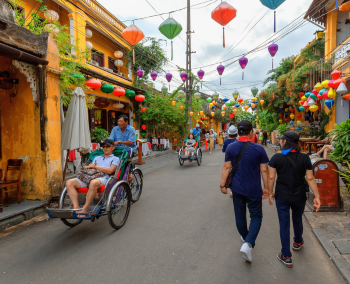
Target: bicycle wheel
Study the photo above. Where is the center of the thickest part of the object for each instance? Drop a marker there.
(66, 203)
(119, 202)
(199, 157)
(136, 185)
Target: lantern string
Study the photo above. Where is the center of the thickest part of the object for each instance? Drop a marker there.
(171, 50)
(223, 36)
(107, 98)
(274, 25)
(133, 55)
(220, 80)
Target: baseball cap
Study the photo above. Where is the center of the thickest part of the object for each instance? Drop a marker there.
(290, 136)
(245, 125)
(232, 130)
(107, 142)
(197, 125)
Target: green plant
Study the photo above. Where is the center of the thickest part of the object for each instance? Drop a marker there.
(283, 128)
(346, 178)
(341, 133)
(99, 134)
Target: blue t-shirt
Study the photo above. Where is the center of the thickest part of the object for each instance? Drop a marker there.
(128, 135)
(228, 142)
(195, 131)
(247, 178)
(106, 162)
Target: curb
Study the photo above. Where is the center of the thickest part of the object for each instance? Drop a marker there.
(339, 261)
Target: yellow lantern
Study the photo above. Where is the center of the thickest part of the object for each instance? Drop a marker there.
(325, 84)
(286, 109)
(235, 111)
(280, 121)
(201, 112)
(298, 121)
(181, 107)
(303, 98)
(210, 105)
(191, 113)
(292, 115)
(241, 103)
(314, 108)
(224, 107)
(331, 93)
(246, 108)
(173, 103)
(318, 87)
(223, 113)
(301, 103)
(262, 102)
(212, 113)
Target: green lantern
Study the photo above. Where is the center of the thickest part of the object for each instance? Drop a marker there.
(273, 85)
(235, 94)
(78, 76)
(143, 134)
(129, 93)
(107, 88)
(197, 96)
(209, 100)
(150, 84)
(254, 91)
(307, 94)
(215, 96)
(164, 90)
(170, 29)
(180, 93)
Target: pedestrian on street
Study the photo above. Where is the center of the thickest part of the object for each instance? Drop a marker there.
(211, 140)
(249, 163)
(291, 167)
(220, 139)
(265, 135)
(206, 140)
(232, 137)
(215, 135)
(255, 138)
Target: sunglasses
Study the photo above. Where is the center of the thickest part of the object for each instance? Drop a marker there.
(106, 146)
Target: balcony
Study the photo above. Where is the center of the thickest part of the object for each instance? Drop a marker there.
(341, 54)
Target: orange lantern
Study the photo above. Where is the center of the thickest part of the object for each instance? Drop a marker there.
(93, 84)
(173, 103)
(133, 35)
(262, 102)
(234, 107)
(224, 107)
(212, 113)
(253, 105)
(201, 112)
(246, 108)
(140, 98)
(235, 111)
(347, 96)
(223, 113)
(181, 107)
(191, 113)
(215, 103)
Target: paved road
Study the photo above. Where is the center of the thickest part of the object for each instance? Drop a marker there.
(181, 231)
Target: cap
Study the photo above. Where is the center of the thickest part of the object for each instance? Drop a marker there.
(245, 125)
(108, 142)
(290, 136)
(232, 130)
(197, 125)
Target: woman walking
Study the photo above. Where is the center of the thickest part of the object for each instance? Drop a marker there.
(206, 140)
(220, 139)
(211, 140)
(291, 167)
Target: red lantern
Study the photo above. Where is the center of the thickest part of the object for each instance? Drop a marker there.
(93, 84)
(144, 127)
(292, 110)
(119, 92)
(299, 115)
(231, 115)
(301, 94)
(286, 120)
(280, 115)
(144, 109)
(314, 91)
(139, 98)
(240, 99)
(133, 35)
(337, 82)
(223, 14)
(331, 84)
(336, 74)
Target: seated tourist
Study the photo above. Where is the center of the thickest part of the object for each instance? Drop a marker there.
(326, 149)
(189, 150)
(107, 164)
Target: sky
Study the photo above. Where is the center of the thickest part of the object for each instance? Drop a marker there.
(252, 26)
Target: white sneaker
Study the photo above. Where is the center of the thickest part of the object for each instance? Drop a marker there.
(246, 252)
(242, 239)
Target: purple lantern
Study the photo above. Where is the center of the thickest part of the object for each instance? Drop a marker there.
(273, 48)
(183, 76)
(168, 77)
(243, 62)
(154, 76)
(200, 74)
(220, 69)
(140, 73)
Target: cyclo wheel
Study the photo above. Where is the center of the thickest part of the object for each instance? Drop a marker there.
(136, 185)
(199, 157)
(66, 203)
(181, 161)
(118, 205)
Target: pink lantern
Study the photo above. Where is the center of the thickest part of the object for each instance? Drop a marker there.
(273, 48)
(200, 74)
(220, 69)
(168, 77)
(154, 76)
(140, 73)
(183, 76)
(243, 62)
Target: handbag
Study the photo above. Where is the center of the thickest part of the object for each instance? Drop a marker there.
(87, 175)
(233, 169)
(295, 166)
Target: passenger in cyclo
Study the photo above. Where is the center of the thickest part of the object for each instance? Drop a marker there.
(189, 150)
(124, 135)
(107, 164)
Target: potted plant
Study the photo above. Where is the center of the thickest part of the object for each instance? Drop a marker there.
(99, 134)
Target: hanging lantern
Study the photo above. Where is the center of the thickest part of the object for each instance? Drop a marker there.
(342, 90)
(201, 112)
(286, 119)
(280, 115)
(118, 106)
(140, 98)
(262, 102)
(318, 87)
(304, 99)
(313, 108)
(246, 108)
(336, 74)
(273, 5)
(223, 113)
(301, 94)
(240, 100)
(93, 84)
(170, 29)
(307, 95)
(164, 90)
(225, 100)
(299, 115)
(253, 106)
(209, 99)
(150, 84)
(325, 95)
(301, 108)
(331, 84)
(330, 103)
(173, 103)
(210, 105)
(154, 76)
(144, 127)
(254, 91)
(325, 84)
(119, 92)
(224, 107)
(305, 105)
(337, 82)
(280, 120)
(220, 69)
(306, 116)
(197, 96)
(130, 93)
(347, 97)
(273, 48)
(286, 115)
(139, 73)
(191, 113)
(168, 77)
(88, 45)
(180, 93)
(313, 96)
(230, 115)
(223, 14)
(281, 109)
(183, 76)
(118, 54)
(51, 16)
(235, 111)
(133, 35)
(331, 93)
(144, 109)
(235, 94)
(286, 109)
(212, 113)
(319, 96)
(291, 109)
(107, 89)
(311, 102)
(200, 74)
(243, 62)
(181, 107)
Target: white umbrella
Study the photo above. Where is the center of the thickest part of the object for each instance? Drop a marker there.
(75, 130)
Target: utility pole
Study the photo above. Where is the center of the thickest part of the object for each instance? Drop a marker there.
(188, 65)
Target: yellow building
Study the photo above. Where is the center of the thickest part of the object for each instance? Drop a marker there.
(337, 47)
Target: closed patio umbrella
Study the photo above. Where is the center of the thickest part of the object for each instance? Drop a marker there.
(75, 131)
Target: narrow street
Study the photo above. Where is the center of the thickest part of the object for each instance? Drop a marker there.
(182, 230)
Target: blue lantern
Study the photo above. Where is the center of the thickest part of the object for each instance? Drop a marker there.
(329, 103)
(225, 100)
(292, 122)
(286, 115)
(281, 109)
(299, 128)
(237, 105)
(306, 116)
(212, 107)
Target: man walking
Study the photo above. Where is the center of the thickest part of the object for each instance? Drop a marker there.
(248, 160)
(264, 137)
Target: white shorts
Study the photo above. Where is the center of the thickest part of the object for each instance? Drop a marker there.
(103, 181)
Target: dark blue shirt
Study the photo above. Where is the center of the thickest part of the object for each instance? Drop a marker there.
(128, 135)
(228, 142)
(247, 178)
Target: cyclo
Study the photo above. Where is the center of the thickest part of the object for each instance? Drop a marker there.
(117, 195)
(197, 155)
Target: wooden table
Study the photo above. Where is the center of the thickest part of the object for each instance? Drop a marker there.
(1, 202)
(310, 143)
(302, 143)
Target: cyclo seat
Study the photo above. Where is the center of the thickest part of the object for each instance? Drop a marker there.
(100, 190)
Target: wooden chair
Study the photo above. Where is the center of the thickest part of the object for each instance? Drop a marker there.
(13, 165)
